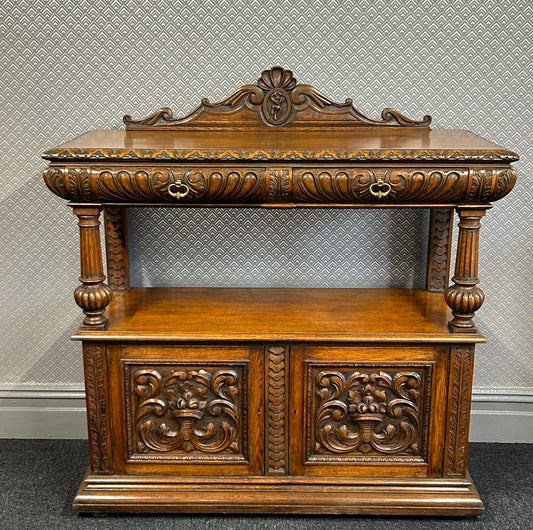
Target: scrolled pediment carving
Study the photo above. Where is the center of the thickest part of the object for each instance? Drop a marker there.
(276, 100)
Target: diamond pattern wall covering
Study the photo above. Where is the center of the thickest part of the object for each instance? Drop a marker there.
(69, 66)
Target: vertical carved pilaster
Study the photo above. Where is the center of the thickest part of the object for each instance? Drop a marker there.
(439, 249)
(459, 398)
(93, 295)
(277, 403)
(279, 184)
(465, 297)
(116, 248)
(97, 408)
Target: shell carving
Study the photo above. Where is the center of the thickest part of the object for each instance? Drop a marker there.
(277, 106)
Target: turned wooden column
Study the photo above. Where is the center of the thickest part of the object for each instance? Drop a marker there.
(464, 296)
(93, 295)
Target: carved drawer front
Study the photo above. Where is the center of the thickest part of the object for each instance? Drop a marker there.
(176, 184)
(193, 408)
(359, 411)
(377, 185)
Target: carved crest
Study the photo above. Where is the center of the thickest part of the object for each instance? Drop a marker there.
(276, 100)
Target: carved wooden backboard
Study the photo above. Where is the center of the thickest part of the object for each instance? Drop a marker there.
(276, 100)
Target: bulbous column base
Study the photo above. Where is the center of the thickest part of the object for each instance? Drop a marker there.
(464, 302)
(93, 299)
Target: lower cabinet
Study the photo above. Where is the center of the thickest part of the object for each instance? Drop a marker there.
(299, 428)
(303, 410)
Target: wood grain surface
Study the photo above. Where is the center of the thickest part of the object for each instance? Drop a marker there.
(372, 143)
(173, 313)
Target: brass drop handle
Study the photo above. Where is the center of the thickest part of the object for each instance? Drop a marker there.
(380, 189)
(178, 189)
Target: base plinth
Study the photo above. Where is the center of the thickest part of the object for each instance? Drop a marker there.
(170, 494)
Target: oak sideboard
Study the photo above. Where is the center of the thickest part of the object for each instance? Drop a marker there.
(279, 400)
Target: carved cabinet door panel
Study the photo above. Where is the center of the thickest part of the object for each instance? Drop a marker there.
(368, 411)
(193, 410)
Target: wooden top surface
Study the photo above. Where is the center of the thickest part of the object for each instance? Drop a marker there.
(362, 315)
(368, 143)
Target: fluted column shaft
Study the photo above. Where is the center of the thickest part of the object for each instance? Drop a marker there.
(93, 295)
(464, 296)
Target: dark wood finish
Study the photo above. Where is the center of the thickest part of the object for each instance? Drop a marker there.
(116, 238)
(93, 295)
(276, 100)
(465, 297)
(279, 400)
(98, 422)
(296, 495)
(439, 249)
(461, 373)
(346, 186)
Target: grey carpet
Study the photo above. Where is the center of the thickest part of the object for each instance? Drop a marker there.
(40, 478)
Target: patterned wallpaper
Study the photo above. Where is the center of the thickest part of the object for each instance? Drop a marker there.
(66, 67)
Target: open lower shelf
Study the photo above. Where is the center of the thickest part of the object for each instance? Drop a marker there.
(265, 314)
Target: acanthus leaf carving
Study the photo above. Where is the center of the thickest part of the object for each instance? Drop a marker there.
(439, 249)
(224, 185)
(489, 184)
(279, 184)
(97, 408)
(242, 185)
(361, 413)
(276, 410)
(70, 183)
(348, 185)
(126, 185)
(116, 248)
(193, 411)
(461, 373)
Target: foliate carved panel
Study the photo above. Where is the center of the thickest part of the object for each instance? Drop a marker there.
(277, 403)
(279, 184)
(460, 393)
(97, 408)
(368, 413)
(188, 412)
